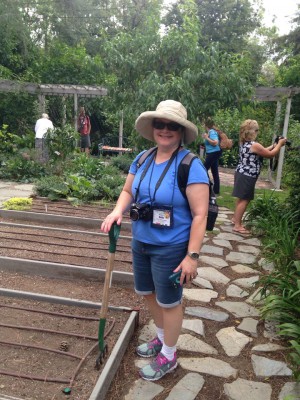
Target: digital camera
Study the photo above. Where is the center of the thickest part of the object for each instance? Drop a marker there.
(140, 211)
(287, 143)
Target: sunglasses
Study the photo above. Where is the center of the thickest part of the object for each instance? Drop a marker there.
(171, 126)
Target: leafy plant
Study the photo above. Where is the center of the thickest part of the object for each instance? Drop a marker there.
(20, 168)
(17, 203)
(8, 141)
(80, 189)
(52, 186)
(122, 162)
(282, 293)
(62, 142)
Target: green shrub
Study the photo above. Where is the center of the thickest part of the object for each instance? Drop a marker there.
(122, 162)
(282, 293)
(62, 142)
(52, 186)
(20, 168)
(17, 203)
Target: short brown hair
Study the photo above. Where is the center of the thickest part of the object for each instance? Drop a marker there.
(209, 123)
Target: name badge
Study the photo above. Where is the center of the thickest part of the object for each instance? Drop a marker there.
(162, 217)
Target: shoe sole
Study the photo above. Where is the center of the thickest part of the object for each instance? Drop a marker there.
(147, 355)
(156, 379)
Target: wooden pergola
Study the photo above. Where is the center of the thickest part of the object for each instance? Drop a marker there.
(43, 90)
(278, 94)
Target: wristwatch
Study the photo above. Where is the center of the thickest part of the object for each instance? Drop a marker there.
(193, 255)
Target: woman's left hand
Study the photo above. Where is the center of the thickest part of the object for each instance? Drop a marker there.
(188, 268)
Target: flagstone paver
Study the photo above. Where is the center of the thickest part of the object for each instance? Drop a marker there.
(249, 325)
(213, 261)
(190, 343)
(236, 291)
(208, 365)
(248, 249)
(246, 282)
(264, 367)
(243, 258)
(195, 325)
(213, 275)
(143, 390)
(243, 269)
(224, 243)
(187, 388)
(201, 282)
(239, 309)
(248, 390)
(204, 295)
(232, 341)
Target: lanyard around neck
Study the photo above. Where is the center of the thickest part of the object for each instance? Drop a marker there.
(174, 154)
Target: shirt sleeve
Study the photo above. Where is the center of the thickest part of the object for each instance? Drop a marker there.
(213, 135)
(197, 173)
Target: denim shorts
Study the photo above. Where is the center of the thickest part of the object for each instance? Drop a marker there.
(152, 266)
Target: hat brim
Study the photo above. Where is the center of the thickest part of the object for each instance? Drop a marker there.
(143, 125)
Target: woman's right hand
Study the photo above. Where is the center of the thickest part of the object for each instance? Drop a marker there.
(282, 141)
(109, 220)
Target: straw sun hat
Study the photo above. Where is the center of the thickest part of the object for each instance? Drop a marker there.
(168, 109)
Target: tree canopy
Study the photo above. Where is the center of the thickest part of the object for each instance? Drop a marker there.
(206, 53)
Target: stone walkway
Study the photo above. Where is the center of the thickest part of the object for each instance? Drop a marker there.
(240, 301)
(13, 189)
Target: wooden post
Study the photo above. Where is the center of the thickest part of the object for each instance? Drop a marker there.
(64, 116)
(121, 131)
(41, 98)
(276, 130)
(284, 134)
(75, 110)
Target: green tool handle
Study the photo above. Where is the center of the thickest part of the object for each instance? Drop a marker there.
(113, 237)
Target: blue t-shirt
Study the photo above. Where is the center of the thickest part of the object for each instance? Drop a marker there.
(213, 135)
(167, 194)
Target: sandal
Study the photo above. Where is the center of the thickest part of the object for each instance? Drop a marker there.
(242, 231)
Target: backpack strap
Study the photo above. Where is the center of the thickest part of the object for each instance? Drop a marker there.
(183, 172)
(183, 175)
(145, 155)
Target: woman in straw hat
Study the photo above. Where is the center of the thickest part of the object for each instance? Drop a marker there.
(167, 228)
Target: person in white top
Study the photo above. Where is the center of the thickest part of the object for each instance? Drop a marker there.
(41, 127)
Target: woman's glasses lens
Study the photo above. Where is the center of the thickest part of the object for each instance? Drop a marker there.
(171, 126)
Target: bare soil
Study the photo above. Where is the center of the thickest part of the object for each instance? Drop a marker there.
(87, 250)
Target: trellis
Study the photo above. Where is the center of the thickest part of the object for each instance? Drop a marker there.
(278, 94)
(43, 90)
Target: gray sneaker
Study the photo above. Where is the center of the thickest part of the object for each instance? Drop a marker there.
(158, 368)
(149, 349)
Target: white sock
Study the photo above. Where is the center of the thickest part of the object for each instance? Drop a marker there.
(160, 334)
(168, 352)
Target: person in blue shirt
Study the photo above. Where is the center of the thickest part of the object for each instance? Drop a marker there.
(213, 153)
(167, 228)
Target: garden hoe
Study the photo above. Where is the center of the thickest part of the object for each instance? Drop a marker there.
(113, 237)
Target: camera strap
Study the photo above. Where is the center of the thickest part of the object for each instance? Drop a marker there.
(153, 155)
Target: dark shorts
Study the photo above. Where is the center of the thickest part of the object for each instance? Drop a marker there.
(243, 186)
(85, 141)
(152, 266)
